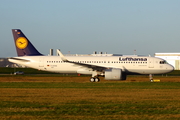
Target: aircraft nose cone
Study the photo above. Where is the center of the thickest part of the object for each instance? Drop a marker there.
(170, 68)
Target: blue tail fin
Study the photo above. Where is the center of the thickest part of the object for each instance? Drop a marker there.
(23, 45)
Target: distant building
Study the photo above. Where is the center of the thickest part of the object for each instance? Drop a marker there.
(4, 62)
(171, 58)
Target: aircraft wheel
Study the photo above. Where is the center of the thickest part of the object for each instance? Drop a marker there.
(92, 79)
(96, 79)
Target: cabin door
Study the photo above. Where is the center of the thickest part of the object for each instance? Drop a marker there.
(151, 63)
(41, 62)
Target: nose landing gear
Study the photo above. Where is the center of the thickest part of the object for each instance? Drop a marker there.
(151, 77)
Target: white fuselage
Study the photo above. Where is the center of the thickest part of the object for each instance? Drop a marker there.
(128, 64)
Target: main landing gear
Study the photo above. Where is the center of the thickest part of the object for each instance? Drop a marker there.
(94, 79)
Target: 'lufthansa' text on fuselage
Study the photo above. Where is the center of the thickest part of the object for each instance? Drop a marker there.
(132, 59)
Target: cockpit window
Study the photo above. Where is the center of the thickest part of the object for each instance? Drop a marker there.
(163, 62)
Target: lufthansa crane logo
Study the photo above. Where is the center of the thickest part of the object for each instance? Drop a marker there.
(21, 43)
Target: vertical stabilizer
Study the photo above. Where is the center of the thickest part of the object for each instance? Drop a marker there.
(23, 45)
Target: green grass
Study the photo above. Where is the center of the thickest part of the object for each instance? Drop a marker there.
(97, 86)
(106, 100)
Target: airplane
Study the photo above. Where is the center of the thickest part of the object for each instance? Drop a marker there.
(111, 67)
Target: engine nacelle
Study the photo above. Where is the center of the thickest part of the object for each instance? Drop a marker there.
(114, 74)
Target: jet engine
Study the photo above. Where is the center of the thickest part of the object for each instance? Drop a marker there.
(114, 74)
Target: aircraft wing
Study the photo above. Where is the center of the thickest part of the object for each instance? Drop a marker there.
(94, 67)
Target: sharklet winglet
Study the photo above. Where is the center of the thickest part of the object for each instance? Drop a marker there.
(62, 56)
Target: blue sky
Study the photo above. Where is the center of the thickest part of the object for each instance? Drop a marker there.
(84, 26)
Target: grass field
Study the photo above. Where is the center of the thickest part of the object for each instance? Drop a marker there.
(59, 98)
